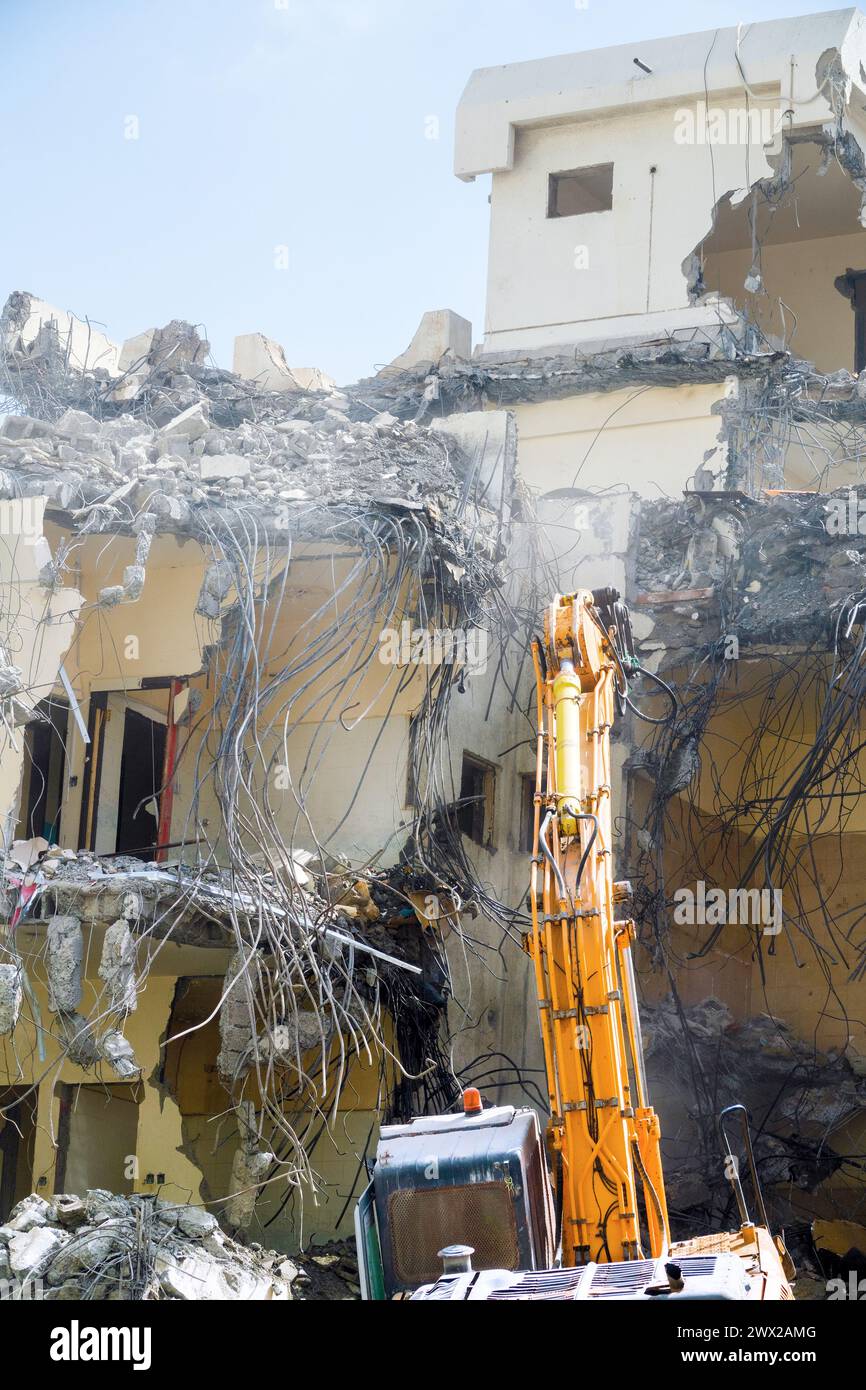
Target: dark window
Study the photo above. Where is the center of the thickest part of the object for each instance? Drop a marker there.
(45, 767)
(579, 191)
(853, 286)
(527, 813)
(477, 787)
(141, 771)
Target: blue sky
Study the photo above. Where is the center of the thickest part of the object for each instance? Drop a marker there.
(264, 124)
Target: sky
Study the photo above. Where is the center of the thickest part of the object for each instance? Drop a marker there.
(281, 166)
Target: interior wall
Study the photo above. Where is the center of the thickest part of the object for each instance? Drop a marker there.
(337, 1144)
(100, 1136)
(35, 632)
(810, 989)
(814, 321)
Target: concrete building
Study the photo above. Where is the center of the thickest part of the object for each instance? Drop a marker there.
(227, 891)
(676, 254)
(266, 852)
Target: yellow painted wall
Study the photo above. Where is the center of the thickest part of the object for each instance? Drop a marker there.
(814, 321)
(186, 1129)
(176, 1136)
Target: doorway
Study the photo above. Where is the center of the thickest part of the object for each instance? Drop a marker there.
(97, 1138)
(123, 773)
(17, 1144)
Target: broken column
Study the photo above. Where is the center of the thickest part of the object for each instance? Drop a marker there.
(117, 967)
(441, 333)
(250, 1167)
(236, 1020)
(260, 359)
(11, 995)
(65, 949)
(77, 1037)
(133, 575)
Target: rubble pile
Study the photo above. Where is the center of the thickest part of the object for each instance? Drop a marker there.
(784, 564)
(157, 374)
(171, 436)
(110, 471)
(106, 1246)
(193, 904)
(804, 1095)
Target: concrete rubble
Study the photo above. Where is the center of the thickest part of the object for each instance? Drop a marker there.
(116, 1248)
(784, 572)
(134, 898)
(759, 1063)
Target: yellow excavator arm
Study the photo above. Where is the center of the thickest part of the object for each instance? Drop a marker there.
(480, 1176)
(604, 1135)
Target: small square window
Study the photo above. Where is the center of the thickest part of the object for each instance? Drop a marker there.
(579, 191)
(477, 790)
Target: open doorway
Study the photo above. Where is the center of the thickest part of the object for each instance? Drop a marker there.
(44, 771)
(141, 764)
(124, 772)
(17, 1144)
(97, 1138)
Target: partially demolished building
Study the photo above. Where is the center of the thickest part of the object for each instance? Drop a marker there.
(232, 850)
(266, 851)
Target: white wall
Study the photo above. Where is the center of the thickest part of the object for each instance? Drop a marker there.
(557, 280)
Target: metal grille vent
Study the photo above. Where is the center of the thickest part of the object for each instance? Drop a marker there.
(614, 1280)
(423, 1220)
(547, 1284)
(697, 1266)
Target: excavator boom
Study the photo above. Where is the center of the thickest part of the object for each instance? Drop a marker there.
(602, 1231)
(603, 1133)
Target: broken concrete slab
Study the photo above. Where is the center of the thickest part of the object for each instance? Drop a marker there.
(26, 320)
(30, 1250)
(189, 424)
(441, 333)
(135, 350)
(32, 1211)
(260, 359)
(196, 1222)
(223, 466)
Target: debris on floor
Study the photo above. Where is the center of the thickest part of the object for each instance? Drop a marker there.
(106, 1246)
